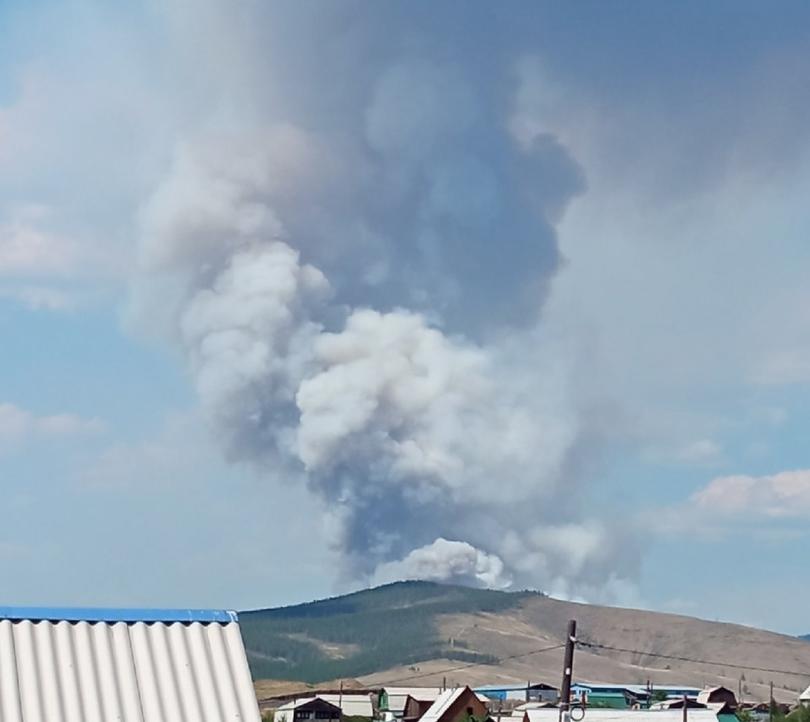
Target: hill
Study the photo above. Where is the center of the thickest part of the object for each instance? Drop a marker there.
(421, 632)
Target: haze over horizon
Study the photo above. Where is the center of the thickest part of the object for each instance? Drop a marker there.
(297, 298)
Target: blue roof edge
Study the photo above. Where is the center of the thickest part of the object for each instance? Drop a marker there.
(129, 616)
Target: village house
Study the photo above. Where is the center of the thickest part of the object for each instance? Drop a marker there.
(308, 709)
(457, 705)
(717, 695)
(537, 692)
(392, 700)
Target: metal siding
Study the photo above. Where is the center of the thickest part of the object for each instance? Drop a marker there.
(63, 671)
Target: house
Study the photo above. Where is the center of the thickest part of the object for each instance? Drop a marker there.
(613, 697)
(538, 692)
(392, 700)
(348, 705)
(456, 705)
(308, 708)
(351, 705)
(130, 665)
(678, 703)
(415, 708)
(625, 696)
(713, 695)
(804, 698)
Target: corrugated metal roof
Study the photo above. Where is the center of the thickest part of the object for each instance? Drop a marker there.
(398, 696)
(352, 705)
(123, 671)
(99, 614)
(442, 704)
(627, 715)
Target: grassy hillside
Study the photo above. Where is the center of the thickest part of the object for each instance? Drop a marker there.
(379, 635)
(366, 631)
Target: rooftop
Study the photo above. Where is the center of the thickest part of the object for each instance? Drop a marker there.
(112, 616)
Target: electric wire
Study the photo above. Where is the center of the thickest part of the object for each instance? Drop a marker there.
(594, 645)
(468, 665)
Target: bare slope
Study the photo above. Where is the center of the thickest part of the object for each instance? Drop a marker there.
(420, 633)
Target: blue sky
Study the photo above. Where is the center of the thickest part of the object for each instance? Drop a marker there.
(276, 284)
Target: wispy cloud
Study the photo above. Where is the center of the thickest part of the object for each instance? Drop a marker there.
(28, 249)
(18, 425)
(784, 494)
(40, 298)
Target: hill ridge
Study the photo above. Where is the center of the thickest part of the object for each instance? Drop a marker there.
(422, 628)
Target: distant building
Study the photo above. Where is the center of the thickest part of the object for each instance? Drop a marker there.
(804, 698)
(308, 710)
(626, 696)
(715, 695)
(392, 700)
(349, 705)
(629, 715)
(132, 665)
(538, 692)
(415, 708)
(456, 705)
(678, 703)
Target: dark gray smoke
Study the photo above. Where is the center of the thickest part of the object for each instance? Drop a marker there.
(353, 256)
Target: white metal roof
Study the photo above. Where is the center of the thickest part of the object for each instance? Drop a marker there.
(626, 715)
(397, 696)
(442, 704)
(421, 693)
(353, 705)
(123, 671)
(805, 696)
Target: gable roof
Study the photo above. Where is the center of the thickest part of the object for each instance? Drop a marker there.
(352, 705)
(92, 665)
(443, 703)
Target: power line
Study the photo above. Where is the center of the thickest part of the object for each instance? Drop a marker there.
(594, 645)
(469, 664)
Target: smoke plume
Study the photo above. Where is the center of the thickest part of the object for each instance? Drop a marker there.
(356, 279)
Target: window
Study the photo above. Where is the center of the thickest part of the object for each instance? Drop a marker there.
(324, 714)
(302, 714)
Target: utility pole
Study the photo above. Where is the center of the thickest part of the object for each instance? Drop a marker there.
(568, 669)
(685, 707)
(770, 704)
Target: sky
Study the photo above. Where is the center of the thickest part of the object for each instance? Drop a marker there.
(301, 297)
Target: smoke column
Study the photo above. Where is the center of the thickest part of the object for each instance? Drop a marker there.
(353, 259)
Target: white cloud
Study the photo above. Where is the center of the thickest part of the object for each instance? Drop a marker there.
(40, 298)
(702, 451)
(18, 425)
(785, 494)
(28, 249)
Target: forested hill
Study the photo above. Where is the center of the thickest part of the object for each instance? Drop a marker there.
(424, 632)
(366, 631)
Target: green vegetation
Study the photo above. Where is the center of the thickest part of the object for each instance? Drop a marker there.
(800, 714)
(364, 632)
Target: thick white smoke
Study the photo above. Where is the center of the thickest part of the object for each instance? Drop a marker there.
(357, 296)
(445, 560)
